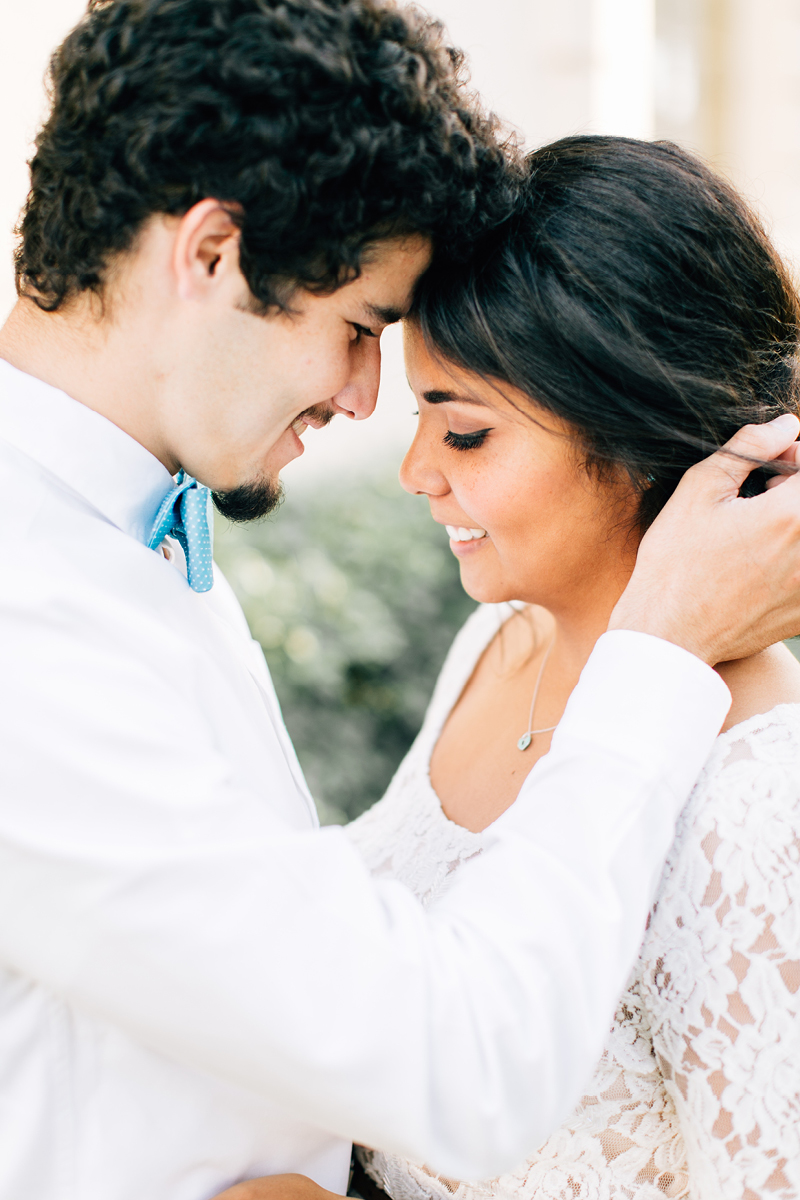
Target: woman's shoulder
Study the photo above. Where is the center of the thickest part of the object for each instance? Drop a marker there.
(753, 768)
(760, 684)
(756, 758)
(769, 737)
(757, 754)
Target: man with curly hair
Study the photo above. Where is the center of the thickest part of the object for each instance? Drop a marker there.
(244, 150)
(229, 201)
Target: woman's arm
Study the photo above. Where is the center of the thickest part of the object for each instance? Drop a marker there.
(724, 975)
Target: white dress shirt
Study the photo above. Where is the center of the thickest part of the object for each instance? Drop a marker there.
(196, 983)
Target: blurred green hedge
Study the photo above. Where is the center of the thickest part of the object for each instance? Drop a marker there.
(355, 596)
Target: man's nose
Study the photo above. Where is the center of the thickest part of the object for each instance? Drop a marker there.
(359, 395)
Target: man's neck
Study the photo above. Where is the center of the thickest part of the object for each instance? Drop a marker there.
(81, 351)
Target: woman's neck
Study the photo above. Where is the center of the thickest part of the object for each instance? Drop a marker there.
(477, 767)
(578, 620)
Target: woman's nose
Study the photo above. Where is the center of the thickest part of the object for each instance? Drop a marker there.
(419, 474)
(358, 397)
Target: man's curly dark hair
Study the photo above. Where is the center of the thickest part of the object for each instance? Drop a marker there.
(324, 124)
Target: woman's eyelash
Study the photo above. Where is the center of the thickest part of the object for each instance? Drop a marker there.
(466, 441)
(362, 331)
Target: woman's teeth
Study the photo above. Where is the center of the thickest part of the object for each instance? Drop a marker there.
(459, 534)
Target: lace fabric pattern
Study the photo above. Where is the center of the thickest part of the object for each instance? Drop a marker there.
(697, 1094)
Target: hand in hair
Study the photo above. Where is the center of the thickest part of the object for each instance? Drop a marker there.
(278, 1187)
(718, 573)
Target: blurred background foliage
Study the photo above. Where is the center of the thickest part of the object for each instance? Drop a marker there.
(355, 596)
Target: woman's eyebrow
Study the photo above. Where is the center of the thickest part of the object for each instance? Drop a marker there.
(439, 397)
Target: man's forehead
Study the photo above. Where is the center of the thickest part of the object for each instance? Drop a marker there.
(390, 270)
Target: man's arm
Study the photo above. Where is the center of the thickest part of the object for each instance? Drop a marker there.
(151, 893)
(178, 910)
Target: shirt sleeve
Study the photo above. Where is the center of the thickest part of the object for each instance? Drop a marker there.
(150, 889)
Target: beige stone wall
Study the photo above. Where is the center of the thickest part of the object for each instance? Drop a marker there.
(29, 29)
(759, 111)
(728, 85)
(720, 76)
(531, 60)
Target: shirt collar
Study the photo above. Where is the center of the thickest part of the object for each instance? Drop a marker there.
(89, 453)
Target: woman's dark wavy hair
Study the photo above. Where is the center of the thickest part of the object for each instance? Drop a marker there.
(633, 295)
(323, 123)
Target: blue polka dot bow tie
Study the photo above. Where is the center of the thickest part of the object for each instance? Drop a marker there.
(186, 513)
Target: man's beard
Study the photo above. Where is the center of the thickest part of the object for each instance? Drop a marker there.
(250, 501)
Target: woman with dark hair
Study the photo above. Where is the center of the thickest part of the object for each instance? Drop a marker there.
(630, 319)
(627, 321)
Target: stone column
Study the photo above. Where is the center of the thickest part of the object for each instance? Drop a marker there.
(728, 86)
(530, 59)
(623, 67)
(29, 32)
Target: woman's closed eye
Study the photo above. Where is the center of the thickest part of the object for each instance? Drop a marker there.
(466, 441)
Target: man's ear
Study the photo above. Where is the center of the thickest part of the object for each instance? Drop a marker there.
(206, 250)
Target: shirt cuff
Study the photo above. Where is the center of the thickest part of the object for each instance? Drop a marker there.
(646, 701)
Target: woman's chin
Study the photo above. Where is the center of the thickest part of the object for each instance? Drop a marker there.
(480, 585)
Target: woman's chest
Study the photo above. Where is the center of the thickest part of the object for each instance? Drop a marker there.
(486, 747)
(406, 836)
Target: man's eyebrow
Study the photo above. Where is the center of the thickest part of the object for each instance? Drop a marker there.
(385, 316)
(438, 397)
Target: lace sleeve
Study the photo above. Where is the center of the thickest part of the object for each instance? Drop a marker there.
(725, 976)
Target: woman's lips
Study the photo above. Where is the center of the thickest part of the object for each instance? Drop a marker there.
(466, 539)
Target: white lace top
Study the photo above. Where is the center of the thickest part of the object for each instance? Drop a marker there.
(698, 1091)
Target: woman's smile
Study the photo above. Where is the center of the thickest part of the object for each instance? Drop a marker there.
(466, 540)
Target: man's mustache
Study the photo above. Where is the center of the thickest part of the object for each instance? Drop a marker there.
(320, 414)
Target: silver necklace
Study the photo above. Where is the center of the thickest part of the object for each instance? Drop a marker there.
(530, 734)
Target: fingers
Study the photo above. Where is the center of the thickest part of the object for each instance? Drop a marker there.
(792, 458)
(726, 471)
(792, 455)
(766, 441)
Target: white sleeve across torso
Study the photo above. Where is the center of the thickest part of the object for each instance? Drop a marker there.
(696, 1092)
(158, 856)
